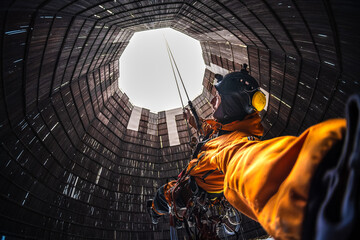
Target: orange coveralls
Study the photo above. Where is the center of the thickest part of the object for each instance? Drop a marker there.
(269, 180)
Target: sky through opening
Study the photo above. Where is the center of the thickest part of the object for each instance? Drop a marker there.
(145, 71)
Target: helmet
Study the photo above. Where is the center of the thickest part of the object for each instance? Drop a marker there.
(240, 95)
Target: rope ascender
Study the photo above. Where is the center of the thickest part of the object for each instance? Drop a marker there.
(192, 109)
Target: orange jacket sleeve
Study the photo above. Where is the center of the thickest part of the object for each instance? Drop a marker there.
(269, 180)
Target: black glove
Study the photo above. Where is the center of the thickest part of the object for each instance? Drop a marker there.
(154, 216)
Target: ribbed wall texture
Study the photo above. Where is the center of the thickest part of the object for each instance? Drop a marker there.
(70, 168)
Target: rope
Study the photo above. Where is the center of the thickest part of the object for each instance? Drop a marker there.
(192, 109)
(172, 62)
(172, 67)
(177, 69)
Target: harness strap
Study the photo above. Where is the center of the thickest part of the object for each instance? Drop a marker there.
(207, 174)
(201, 157)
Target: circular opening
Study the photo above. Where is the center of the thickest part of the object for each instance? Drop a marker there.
(146, 74)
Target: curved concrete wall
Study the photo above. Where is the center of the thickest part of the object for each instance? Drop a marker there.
(69, 166)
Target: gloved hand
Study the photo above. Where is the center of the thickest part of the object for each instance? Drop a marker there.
(154, 216)
(187, 114)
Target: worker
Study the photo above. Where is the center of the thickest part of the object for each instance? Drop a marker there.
(275, 181)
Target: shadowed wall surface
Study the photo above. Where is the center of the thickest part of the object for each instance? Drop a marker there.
(71, 168)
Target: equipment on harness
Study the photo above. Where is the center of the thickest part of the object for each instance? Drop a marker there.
(240, 96)
(209, 217)
(204, 215)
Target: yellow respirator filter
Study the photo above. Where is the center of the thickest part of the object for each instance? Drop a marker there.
(259, 101)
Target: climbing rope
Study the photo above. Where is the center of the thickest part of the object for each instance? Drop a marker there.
(172, 62)
(192, 109)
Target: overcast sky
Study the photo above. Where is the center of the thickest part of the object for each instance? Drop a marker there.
(145, 70)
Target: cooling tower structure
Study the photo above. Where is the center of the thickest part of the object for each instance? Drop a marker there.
(73, 165)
